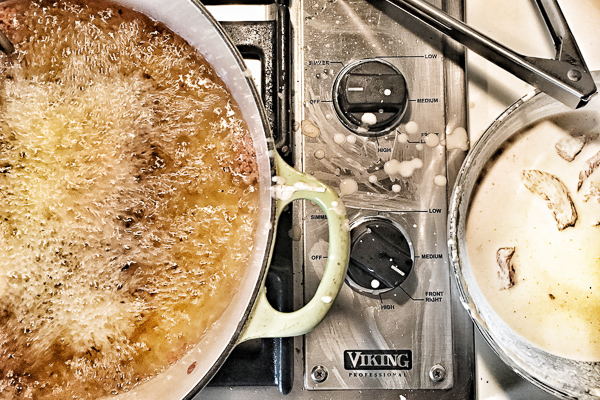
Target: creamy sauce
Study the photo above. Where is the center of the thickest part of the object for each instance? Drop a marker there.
(432, 140)
(457, 139)
(368, 119)
(402, 138)
(555, 302)
(395, 168)
(129, 197)
(411, 127)
(339, 138)
(440, 180)
(348, 187)
(319, 154)
(309, 129)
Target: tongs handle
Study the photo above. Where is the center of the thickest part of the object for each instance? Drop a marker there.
(566, 78)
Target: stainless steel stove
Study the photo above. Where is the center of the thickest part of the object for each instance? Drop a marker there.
(376, 100)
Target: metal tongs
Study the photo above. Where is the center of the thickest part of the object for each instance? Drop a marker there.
(566, 77)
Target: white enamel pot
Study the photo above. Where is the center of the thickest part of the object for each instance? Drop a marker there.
(563, 377)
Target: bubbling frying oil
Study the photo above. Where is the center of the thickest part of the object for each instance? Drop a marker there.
(128, 199)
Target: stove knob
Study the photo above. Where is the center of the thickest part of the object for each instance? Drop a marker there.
(370, 97)
(381, 255)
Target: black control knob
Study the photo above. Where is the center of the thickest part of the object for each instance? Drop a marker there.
(370, 97)
(381, 255)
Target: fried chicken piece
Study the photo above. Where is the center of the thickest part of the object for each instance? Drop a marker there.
(506, 271)
(556, 195)
(590, 165)
(593, 194)
(570, 146)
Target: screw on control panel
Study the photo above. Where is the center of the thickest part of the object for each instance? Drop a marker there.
(437, 373)
(319, 374)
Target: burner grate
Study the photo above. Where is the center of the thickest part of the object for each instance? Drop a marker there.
(268, 362)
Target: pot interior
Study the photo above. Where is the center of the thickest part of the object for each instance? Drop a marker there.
(189, 20)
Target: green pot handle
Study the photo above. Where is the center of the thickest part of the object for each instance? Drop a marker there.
(264, 321)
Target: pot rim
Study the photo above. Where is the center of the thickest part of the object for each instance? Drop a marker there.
(271, 231)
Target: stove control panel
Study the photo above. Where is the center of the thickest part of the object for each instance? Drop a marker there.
(372, 124)
(370, 97)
